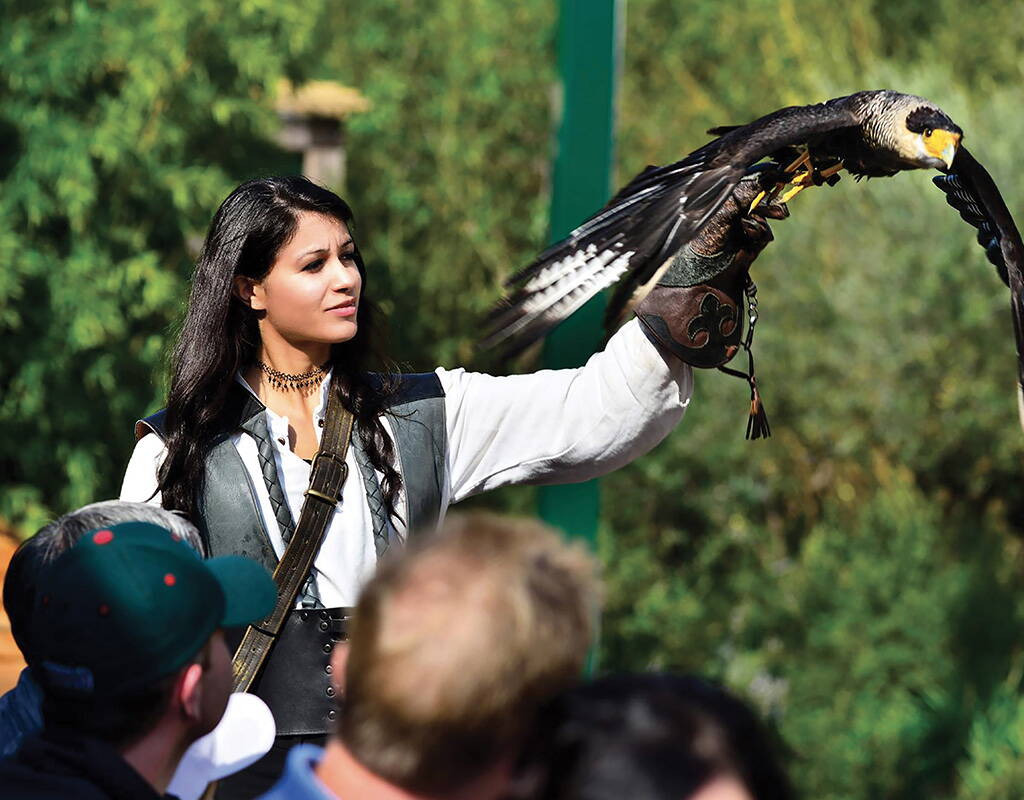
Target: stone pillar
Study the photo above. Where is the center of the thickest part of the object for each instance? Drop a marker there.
(320, 141)
(313, 123)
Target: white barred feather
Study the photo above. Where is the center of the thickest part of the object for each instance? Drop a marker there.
(604, 269)
(577, 278)
(559, 269)
(587, 288)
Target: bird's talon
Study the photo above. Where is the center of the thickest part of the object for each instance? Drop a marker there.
(793, 192)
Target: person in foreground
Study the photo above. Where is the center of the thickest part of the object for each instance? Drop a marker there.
(126, 631)
(244, 734)
(455, 644)
(281, 320)
(648, 737)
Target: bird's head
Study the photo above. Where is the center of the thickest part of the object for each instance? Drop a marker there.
(931, 138)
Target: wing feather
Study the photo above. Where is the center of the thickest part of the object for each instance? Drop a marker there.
(970, 190)
(647, 222)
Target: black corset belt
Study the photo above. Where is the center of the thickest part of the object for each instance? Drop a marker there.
(296, 682)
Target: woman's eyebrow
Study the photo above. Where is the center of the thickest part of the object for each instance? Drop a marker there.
(313, 250)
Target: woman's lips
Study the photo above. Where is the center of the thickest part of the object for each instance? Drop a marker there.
(347, 310)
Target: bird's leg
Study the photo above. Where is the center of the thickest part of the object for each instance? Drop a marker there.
(805, 176)
(828, 172)
(761, 195)
(814, 178)
(803, 166)
(800, 161)
(767, 196)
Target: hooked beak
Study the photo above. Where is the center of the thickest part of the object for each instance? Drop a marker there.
(943, 146)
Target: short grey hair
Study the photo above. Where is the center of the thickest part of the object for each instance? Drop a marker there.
(62, 534)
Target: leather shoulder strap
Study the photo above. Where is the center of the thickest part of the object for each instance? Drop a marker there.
(326, 481)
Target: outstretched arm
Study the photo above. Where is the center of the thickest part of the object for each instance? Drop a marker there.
(562, 426)
(565, 426)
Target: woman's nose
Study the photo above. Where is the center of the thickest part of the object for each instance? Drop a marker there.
(345, 275)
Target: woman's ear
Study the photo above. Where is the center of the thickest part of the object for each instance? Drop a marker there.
(250, 292)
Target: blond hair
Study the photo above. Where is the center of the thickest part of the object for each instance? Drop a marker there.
(455, 644)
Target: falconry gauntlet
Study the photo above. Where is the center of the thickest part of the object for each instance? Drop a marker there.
(696, 309)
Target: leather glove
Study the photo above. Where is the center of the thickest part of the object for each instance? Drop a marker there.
(696, 309)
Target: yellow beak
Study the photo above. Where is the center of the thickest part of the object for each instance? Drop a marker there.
(943, 146)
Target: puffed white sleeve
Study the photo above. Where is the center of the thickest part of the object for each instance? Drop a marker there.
(140, 478)
(562, 426)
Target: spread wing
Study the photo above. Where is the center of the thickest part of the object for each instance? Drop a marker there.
(971, 191)
(647, 222)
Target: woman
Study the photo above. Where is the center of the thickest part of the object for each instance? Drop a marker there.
(279, 315)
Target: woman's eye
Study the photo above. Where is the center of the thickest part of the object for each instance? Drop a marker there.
(349, 256)
(313, 266)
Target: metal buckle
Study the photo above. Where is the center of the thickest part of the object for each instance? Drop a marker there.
(321, 496)
(334, 457)
(341, 485)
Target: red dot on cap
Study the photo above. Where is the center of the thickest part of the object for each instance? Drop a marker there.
(104, 610)
(169, 579)
(102, 537)
(175, 537)
(46, 599)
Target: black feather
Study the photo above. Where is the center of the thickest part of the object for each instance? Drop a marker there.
(961, 196)
(970, 188)
(921, 119)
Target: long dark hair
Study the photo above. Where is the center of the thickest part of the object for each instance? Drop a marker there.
(220, 336)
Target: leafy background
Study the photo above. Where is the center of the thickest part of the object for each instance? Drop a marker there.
(857, 577)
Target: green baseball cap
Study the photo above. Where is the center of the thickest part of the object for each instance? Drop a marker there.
(133, 603)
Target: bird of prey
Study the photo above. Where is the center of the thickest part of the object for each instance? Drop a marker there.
(869, 134)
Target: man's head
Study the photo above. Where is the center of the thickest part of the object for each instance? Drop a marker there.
(55, 538)
(126, 633)
(456, 642)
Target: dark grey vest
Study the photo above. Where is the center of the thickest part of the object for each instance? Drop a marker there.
(296, 681)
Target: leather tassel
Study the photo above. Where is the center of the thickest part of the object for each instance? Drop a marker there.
(757, 422)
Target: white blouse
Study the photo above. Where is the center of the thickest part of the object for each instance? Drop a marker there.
(551, 426)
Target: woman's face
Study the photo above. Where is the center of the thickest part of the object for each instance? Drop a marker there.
(311, 293)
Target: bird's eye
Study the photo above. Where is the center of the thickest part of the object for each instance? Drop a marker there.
(928, 132)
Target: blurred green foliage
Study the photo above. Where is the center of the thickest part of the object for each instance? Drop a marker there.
(122, 125)
(857, 576)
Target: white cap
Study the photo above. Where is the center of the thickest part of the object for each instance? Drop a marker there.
(243, 735)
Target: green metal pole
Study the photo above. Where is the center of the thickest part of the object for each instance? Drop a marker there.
(588, 44)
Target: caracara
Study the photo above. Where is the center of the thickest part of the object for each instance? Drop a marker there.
(868, 134)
